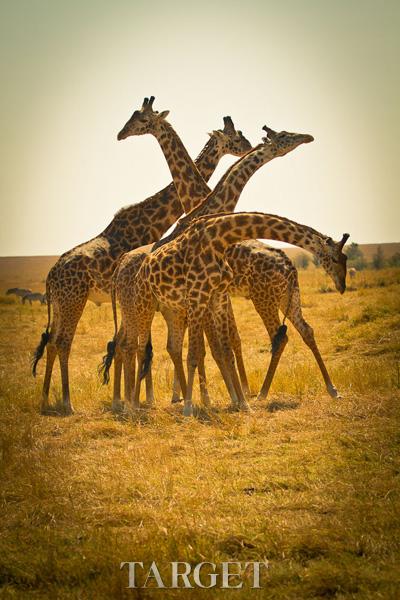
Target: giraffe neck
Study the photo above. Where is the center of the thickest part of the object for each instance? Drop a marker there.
(227, 192)
(225, 230)
(147, 221)
(189, 183)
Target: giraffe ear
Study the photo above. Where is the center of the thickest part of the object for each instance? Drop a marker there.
(163, 114)
(217, 134)
(344, 240)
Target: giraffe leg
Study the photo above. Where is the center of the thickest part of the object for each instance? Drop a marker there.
(222, 325)
(205, 398)
(270, 316)
(176, 324)
(176, 388)
(50, 358)
(116, 401)
(217, 354)
(296, 317)
(149, 389)
(129, 366)
(195, 327)
(144, 331)
(68, 317)
(236, 345)
(128, 349)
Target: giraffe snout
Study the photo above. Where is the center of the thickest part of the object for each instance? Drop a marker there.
(123, 134)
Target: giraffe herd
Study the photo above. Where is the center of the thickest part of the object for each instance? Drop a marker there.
(189, 275)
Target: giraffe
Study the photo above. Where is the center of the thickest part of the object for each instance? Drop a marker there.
(185, 273)
(223, 199)
(85, 271)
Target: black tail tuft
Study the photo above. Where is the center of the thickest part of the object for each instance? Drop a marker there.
(278, 338)
(148, 357)
(104, 367)
(37, 355)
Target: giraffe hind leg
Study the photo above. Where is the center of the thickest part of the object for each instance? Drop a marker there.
(51, 354)
(268, 310)
(295, 315)
(69, 315)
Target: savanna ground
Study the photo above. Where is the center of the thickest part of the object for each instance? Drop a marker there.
(308, 483)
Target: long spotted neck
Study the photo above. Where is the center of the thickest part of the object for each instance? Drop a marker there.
(222, 231)
(146, 222)
(189, 183)
(208, 159)
(227, 192)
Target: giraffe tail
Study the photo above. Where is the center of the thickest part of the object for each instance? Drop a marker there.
(38, 353)
(282, 329)
(105, 365)
(148, 357)
(278, 339)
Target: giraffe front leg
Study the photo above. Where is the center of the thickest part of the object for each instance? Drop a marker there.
(195, 323)
(176, 324)
(236, 344)
(205, 398)
(222, 325)
(212, 332)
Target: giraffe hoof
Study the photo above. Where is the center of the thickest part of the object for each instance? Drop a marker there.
(188, 410)
(149, 406)
(117, 408)
(332, 391)
(48, 411)
(245, 408)
(176, 399)
(68, 410)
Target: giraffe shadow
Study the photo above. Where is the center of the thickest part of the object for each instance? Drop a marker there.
(278, 405)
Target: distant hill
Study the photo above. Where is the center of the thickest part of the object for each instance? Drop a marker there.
(367, 249)
(25, 271)
(31, 271)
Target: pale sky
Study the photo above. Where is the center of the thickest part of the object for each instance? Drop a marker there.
(73, 71)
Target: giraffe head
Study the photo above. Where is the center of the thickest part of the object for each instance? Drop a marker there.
(145, 120)
(282, 142)
(333, 260)
(230, 140)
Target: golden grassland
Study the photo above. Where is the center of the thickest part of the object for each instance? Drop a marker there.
(306, 482)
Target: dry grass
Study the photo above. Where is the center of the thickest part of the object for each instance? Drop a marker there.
(308, 483)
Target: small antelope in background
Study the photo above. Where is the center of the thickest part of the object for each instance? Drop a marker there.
(20, 292)
(32, 296)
